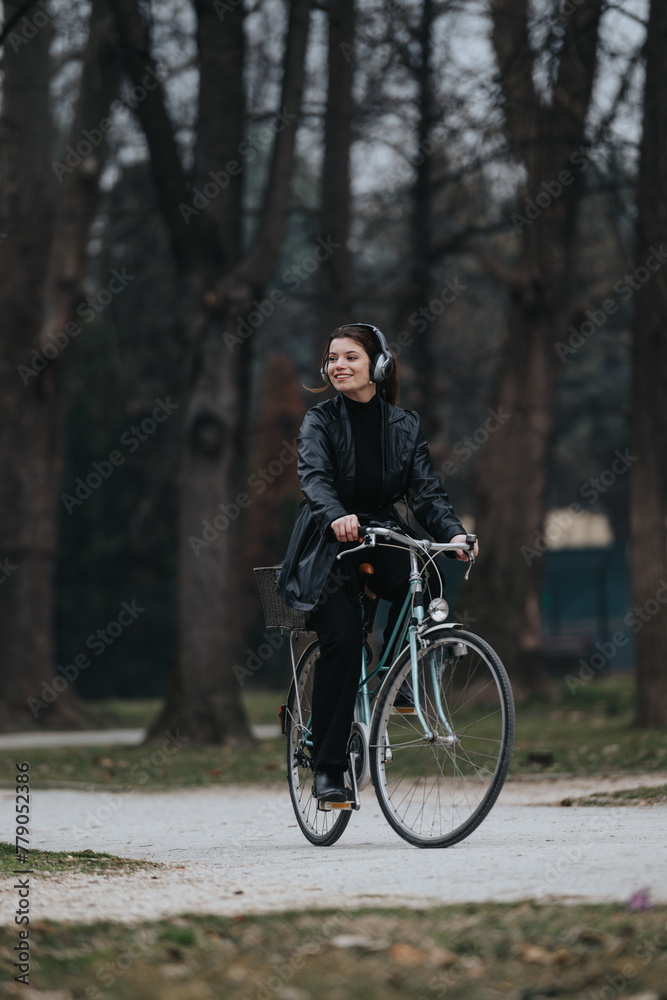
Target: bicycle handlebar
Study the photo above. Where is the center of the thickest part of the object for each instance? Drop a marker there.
(420, 544)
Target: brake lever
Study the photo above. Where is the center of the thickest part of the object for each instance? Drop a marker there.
(470, 540)
(368, 540)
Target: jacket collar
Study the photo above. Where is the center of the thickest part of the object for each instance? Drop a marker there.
(390, 413)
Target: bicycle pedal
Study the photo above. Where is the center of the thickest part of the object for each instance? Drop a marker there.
(403, 710)
(340, 805)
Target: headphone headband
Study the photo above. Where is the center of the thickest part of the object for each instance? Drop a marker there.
(382, 365)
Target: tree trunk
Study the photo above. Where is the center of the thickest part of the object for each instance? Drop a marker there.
(649, 419)
(513, 466)
(335, 197)
(423, 395)
(222, 300)
(40, 280)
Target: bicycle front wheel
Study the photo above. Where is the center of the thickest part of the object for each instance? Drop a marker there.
(435, 790)
(320, 827)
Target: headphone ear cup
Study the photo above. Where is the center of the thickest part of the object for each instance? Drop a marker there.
(325, 377)
(381, 367)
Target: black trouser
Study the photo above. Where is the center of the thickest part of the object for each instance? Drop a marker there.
(338, 623)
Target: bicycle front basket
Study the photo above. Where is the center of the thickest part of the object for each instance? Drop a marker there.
(276, 612)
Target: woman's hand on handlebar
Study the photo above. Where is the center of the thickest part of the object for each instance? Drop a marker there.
(346, 529)
(461, 554)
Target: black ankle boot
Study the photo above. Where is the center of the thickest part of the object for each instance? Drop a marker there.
(329, 785)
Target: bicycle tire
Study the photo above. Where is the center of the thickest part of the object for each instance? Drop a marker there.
(434, 795)
(321, 828)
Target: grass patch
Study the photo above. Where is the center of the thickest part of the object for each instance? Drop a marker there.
(586, 733)
(127, 713)
(128, 767)
(59, 862)
(641, 796)
(463, 952)
(138, 713)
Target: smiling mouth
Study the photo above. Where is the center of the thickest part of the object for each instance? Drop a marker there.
(340, 377)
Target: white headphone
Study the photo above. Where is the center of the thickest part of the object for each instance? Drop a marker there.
(382, 365)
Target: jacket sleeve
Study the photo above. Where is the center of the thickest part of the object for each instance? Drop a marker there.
(427, 497)
(316, 465)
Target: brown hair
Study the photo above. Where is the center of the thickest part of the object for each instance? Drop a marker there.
(371, 345)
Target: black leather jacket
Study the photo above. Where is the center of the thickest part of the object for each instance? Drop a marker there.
(326, 467)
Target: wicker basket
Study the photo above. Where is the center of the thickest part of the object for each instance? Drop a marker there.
(276, 612)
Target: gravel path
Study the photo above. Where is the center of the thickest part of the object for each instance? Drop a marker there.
(238, 850)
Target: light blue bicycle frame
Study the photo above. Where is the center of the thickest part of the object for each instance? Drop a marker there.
(405, 625)
(410, 626)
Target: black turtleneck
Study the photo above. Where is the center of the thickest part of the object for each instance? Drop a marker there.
(365, 419)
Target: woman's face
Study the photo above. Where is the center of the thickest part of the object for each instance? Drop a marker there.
(348, 367)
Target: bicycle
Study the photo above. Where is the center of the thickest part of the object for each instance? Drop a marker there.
(435, 736)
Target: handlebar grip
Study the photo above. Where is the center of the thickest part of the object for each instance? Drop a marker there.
(361, 530)
(470, 540)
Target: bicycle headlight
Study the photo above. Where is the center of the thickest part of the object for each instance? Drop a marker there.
(438, 609)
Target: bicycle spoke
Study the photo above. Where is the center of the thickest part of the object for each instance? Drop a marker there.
(435, 791)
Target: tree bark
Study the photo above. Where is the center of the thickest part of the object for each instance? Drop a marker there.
(221, 292)
(27, 501)
(423, 394)
(648, 491)
(47, 227)
(335, 198)
(513, 466)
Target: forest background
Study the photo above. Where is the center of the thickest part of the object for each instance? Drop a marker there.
(194, 194)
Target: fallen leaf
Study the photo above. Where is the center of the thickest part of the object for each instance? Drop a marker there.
(535, 954)
(640, 900)
(443, 957)
(406, 954)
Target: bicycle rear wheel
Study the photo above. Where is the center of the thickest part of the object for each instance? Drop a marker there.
(320, 827)
(435, 792)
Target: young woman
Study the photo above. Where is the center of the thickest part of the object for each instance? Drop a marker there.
(358, 454)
